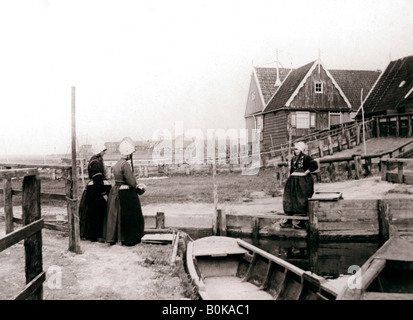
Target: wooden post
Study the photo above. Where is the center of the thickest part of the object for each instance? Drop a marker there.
(320, 148)
(357, 166)
(358, 135)
(214, 220)
(32, 245)
(384, 221)
(398, 126)
(400, 172)
(160, 220)
(377, 128)
(221, 223)
(348, 139)
(255, 228)
(332, 172)
(340, 142)
(73, 214)
(330, 145)
(368, 166)
(384, 167)
(313, 221)
(8, 205)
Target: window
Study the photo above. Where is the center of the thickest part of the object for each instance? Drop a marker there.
(318, 87)
(303, 120)
(335, 118)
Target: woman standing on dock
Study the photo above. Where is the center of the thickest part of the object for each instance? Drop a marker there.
(299, 186)
(125, 221)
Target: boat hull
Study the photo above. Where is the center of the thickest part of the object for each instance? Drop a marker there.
(225, 268)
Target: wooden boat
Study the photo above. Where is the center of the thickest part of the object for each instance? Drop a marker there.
(386, 275)
(225, 268)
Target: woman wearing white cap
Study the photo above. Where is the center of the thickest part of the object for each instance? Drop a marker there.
(93, 207)
(299, 186)
(125, 221)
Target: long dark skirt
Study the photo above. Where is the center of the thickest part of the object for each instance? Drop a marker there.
(125, 221)
(297, 190)
(92, 212)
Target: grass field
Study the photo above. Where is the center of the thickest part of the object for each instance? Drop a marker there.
(185, 188)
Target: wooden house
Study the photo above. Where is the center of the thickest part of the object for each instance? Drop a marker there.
(392, 94)
(264, 82)
(312, 98)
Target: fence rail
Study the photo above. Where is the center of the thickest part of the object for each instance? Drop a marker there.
(30, 232)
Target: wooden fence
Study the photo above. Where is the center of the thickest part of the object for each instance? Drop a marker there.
(30, 232)
(398, 125)
(349, 167)
(72, 202)
(329, 220)
(401, 176)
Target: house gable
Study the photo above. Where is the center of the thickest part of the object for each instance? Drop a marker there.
(331, 98)
(262, 88)
(255, 102)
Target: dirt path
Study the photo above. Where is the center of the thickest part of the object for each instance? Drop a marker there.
(100, 272)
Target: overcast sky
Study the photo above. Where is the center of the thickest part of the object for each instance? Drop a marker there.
(139, 66)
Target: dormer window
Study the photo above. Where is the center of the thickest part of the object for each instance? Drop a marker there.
(318, 87)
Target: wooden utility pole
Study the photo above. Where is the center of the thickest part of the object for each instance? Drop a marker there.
(214, 178)
(73, 215)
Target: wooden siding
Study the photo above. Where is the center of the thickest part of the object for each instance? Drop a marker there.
(275, 128)
(330, 99)
(253, 105)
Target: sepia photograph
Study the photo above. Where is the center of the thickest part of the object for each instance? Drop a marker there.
(189, 150)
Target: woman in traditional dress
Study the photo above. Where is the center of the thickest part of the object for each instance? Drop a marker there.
(125, 223)
(93, 206)
(299, 186)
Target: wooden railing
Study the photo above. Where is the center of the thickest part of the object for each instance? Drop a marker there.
(72, 203)
(399, 177)
(355, 167)
(30, 232)
(396, 125)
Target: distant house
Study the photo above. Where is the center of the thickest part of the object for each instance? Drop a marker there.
(310, 98)
(393, 92)
(264, 82)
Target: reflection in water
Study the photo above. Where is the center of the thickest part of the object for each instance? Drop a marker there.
(327, 259)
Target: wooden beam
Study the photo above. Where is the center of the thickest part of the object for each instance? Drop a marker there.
(400, 172)
(20, 234)
(313, 221)
(160, 220)
(32, 287)
(35, 166)
(32, 244)
(8, 205)
(384, 221)
(73, 214)
(16, 173)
